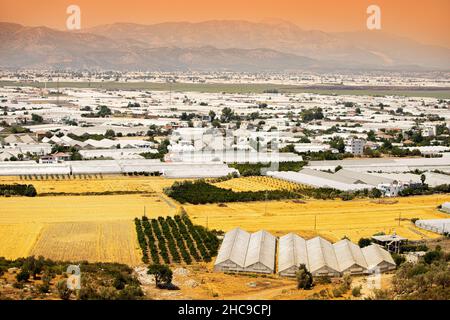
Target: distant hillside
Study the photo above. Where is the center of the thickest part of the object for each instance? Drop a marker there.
(212, 46)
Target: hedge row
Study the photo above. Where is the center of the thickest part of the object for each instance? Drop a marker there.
(26, 190)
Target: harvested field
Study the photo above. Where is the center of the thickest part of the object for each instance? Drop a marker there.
(17, 240)
(257, 184)
(91, 241)
(330, 219)
(92, 228)
(81, 208)
(90, 184)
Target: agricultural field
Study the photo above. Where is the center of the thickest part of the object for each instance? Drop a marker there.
(174, 240)
(254, 88)
(332, 219)
(92, 184)
(109, 241)
(260, 183)
(102, 227)
(17, 240)
(90, 227)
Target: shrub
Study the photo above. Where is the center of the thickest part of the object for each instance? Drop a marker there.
(23, 276)
(63, 291)
(364, 242)
(398, 259)
(304, 278)
(356, 291)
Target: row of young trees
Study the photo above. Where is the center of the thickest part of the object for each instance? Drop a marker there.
(201, 192)
(151, 240)
(170, 240)
(161, 241)
(179, 240)
(27, 190)
(177, 236)
(141, 239)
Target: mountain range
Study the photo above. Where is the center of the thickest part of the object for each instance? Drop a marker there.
(270, 45)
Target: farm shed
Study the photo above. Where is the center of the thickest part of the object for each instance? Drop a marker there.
(321, 257)
(440, 226)
(292, 252)
(391, 242)
(378, 259)
(350, 257)
(244, 252)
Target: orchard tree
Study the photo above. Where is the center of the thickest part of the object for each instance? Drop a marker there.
(162, 273)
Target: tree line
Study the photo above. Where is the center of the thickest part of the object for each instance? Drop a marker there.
(26, 190)
(201, 192)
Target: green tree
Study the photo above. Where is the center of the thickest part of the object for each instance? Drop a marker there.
(212, 115)
(63, 291)
(375, 193)
(227, 114)
(162, 274)
(304, 278)
(364, 242)
(23, 276)
(110, 134)
(37, 118)
(423, 178)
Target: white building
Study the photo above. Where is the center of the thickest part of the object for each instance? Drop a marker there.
(244, 252)
(355, 146)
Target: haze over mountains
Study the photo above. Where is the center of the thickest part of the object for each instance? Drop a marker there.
(213, 46)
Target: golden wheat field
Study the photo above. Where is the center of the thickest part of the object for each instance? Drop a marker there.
(17, 240)
(109, 241)
(257, 184)
(90, 184)
(92, 228)
(330, 219)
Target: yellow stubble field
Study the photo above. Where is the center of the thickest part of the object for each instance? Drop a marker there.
(92, 228)
(87, 183)
(261, 183)
(330, 219)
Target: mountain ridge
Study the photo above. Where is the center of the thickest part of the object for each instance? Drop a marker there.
(238, 44)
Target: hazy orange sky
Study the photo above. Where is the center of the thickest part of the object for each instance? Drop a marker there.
(427, 21)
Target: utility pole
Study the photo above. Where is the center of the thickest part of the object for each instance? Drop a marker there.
(399, 218)
(144, 211)
(265, 207)
(315, 222)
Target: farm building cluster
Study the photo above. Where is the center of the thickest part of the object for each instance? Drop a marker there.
(256, 253)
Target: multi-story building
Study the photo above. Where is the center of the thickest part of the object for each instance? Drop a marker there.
(355, 146)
